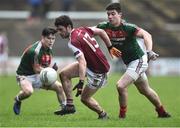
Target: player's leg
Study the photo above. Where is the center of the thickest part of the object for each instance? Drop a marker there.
(144, 88)
(90, 102)
(26, 91)
(134, 69)
(94, 82)
(66, 74)
(122, 85)
(57, 87)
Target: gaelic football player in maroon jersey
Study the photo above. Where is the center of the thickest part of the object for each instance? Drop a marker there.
(91, 62)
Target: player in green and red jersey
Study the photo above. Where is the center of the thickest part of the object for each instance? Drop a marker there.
(36, 57)
(124, 36)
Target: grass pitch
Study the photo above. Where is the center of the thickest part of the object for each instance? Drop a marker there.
(37, 111)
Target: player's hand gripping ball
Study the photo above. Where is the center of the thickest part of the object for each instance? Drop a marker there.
(48, 76)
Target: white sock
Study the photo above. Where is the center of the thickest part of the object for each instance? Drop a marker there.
(63, 103)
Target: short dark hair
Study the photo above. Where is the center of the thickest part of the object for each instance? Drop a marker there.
(48, 30)
(63, 20)
(114, 6)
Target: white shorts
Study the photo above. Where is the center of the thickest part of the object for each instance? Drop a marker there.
(95, 80)
(34, 79)
(137, 68)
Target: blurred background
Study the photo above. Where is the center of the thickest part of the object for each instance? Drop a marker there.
(21, 23)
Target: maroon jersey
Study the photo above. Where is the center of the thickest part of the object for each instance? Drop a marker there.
(82, 42)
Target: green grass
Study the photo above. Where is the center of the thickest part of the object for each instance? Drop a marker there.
(37, 111)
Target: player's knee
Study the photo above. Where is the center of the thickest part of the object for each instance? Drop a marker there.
(59, 89)
(120, 88)
(28, 92)
(57, 84)
(63, 75)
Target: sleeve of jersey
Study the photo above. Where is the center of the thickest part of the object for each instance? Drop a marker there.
(132, 29)
(90, 30)
(36, 61)
(75, 49)
(31, 55)
(137, 30)
(101, 25)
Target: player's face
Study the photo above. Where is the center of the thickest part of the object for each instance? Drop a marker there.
(114, 17)
(49, 40)
(63, 31)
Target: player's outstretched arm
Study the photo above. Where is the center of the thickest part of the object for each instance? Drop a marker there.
(148, 43)
(103, 35)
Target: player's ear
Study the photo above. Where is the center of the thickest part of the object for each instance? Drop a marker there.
(69, 28)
